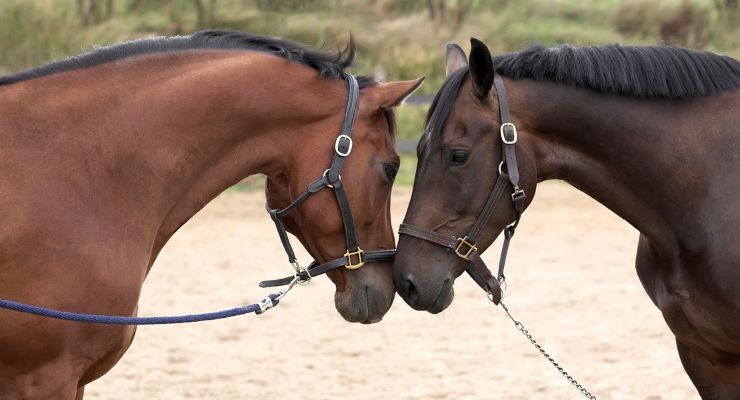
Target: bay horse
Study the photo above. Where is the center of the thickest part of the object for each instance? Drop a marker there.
(652, 133)
(103, 156)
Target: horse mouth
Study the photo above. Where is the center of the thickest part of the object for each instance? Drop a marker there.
(362, 305)
(423, 297)
(444, 298)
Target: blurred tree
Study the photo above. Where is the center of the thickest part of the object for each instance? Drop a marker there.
(451, 13)
(205, 13)
(686, 27)
(94, 11)
(730, 5)
(729, 12)
(135, 6)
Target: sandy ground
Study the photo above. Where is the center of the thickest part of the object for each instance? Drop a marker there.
(571, 281)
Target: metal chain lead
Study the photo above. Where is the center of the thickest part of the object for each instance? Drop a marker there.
(525, 332)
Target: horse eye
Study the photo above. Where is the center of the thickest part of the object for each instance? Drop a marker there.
(459, 156)
(390, 170)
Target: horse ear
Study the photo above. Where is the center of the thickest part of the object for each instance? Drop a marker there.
(392, 94)
(455, 59)
(481, 68)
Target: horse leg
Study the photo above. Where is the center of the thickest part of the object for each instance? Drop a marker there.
(47, 362)
(52, 381)
(714, 381)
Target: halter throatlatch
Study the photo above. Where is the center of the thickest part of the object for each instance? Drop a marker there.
(354, 256)
(508, 179)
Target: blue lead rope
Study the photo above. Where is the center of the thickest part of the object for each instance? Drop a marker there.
(258, 308)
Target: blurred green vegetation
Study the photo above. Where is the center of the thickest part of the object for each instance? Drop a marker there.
(403, 37)
(410, 123)
(399, 39)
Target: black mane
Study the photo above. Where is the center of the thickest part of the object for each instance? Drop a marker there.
(636, 71)
(328, 65)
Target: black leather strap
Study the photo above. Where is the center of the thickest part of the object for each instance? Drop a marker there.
(481, 274)
(507, 131)
(312, 188)
(346, 211)
(316, 269)
(283, 234)
(344, 141)
(508, 234)
(430, 236)
(499, 188)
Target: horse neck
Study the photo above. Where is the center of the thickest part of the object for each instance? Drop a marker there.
(638, 157)
(251, 124)
(175, 130)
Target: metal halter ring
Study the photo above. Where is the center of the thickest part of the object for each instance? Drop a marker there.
(502, 288)
(326, 178)
(302, 277)
(501, 168)
(336, 145)
(503, 136)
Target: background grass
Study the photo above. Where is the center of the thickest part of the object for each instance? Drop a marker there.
(399, 39)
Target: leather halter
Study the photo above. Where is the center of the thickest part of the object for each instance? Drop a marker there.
(508, 178)
(355, 257)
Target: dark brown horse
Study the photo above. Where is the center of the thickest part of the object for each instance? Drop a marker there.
(650, 132)
(105, 155)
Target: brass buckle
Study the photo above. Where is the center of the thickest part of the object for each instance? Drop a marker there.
(360, 259)
(471, 248)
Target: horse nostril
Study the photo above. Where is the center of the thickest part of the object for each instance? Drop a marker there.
(409, 290)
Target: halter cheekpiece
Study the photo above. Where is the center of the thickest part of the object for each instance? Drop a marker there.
(354, 257)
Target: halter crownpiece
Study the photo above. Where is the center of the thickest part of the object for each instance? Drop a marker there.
(354, 256)
(465, 247)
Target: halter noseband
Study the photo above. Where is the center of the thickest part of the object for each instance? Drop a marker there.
(355, 257)
(465, 247)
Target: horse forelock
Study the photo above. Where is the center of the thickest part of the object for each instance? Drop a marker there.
(442, 105)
